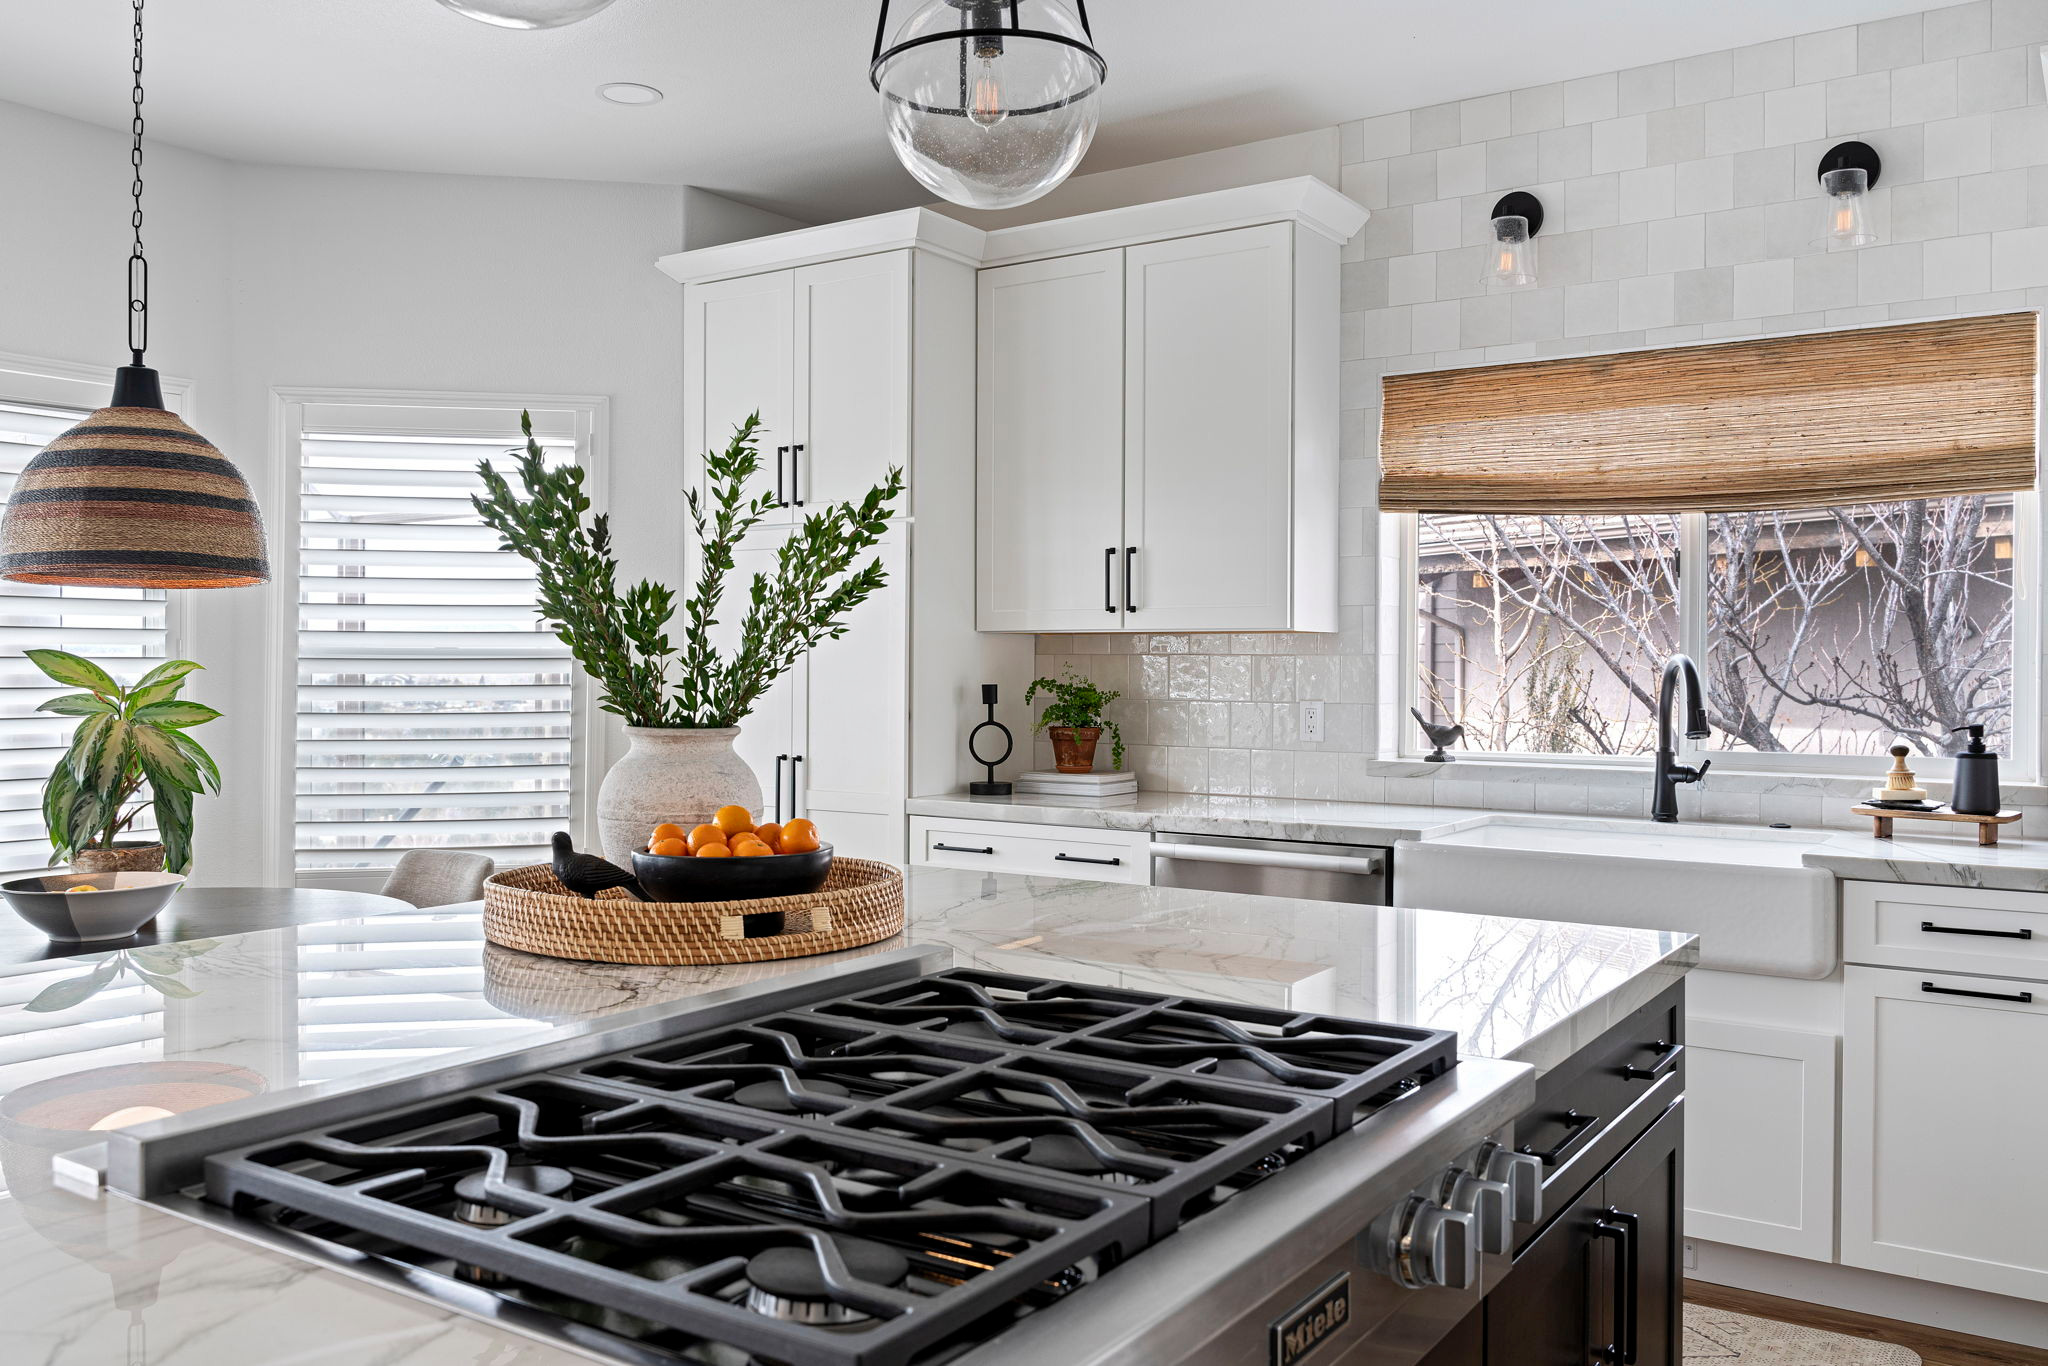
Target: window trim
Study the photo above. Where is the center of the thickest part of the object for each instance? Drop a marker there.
(590, 739)
(2027, 763)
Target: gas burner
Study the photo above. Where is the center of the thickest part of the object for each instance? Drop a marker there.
(472, 1196)
(778, 1099)
(788, 1283)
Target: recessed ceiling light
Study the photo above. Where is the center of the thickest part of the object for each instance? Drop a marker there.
(629, 92)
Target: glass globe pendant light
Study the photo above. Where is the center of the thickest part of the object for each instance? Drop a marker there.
(989, 103)
(527, 13)
(132, 497)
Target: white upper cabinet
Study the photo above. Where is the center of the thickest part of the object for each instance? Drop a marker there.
(851, 378)
(739, 360)
(1208, 434)
(822, 352)
(1157, 430)
(1049, 418)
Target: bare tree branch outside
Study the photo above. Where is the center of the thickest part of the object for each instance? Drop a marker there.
(1829, 630)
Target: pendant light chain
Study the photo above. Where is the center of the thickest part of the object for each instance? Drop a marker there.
(138, 265)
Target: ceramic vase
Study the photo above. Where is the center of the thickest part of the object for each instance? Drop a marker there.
(674, 775)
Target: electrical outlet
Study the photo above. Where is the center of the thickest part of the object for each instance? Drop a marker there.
(1312, 722)
(1691, 1257)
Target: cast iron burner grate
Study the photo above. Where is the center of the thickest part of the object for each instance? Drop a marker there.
(694, 1234)
(1354, 1065)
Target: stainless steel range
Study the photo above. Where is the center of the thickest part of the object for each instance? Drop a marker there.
(929, 1167)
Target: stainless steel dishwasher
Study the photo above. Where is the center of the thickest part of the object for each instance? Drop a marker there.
(1357, 873)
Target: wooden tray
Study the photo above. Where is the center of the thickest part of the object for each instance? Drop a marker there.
(527, 909)
(1881, 818)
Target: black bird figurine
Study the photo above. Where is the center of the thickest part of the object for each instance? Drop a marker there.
(587, 874)
(1439, 735)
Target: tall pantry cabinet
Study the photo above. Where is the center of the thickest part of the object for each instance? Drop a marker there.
(854, 343)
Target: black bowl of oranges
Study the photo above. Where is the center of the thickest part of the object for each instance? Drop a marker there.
(729, 858)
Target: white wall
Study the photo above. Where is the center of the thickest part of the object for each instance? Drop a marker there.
(265, 277)
(1682, 207)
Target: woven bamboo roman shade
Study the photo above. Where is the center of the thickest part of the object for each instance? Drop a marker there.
(1922, 410)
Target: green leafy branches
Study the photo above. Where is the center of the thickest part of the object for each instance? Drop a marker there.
(126, 738)
(622, 641)
(1077, 702)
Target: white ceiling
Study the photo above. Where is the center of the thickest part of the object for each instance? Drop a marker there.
(768, 100)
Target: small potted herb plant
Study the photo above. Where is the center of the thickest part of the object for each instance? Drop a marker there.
(1074, 720)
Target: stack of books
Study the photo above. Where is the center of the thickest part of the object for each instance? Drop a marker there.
(1086, 787)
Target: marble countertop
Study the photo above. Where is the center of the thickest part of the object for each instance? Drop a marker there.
(1931, 859)
(332, 1005)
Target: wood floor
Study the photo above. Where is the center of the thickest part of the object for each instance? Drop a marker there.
(1936, 1347)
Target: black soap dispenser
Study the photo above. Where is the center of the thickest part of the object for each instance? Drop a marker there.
(1976, 786)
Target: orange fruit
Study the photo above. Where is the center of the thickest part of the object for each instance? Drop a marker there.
(734, 820)
(665, 831)
(705, 835)
(768, 832)
(669, 848)
(799, 837)
(752, 849)
(714, 850)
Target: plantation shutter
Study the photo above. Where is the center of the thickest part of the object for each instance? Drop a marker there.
(434, 709)
(1923, 410)
(122, 629)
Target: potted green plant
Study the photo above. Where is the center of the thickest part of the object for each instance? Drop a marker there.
(1075, 721)
(683, 699)
(128, 740)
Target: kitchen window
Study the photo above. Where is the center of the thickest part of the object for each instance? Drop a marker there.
(123, 629)
(1839, 529)
(433, 709)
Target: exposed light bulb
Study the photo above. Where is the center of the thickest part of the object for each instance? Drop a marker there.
(986, 108)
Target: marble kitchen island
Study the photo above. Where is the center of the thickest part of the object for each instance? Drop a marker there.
(334, 1006)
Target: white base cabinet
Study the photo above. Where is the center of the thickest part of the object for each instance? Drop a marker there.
(1043, 850)
(1760, 1136)
(1944, 1104)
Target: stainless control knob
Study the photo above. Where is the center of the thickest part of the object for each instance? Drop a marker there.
(1488, 1204)
(1441, 1249)
(1522, 1174)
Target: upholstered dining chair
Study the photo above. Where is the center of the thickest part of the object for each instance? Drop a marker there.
(438, 877)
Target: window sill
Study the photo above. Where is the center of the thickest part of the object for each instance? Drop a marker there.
(1726, 777)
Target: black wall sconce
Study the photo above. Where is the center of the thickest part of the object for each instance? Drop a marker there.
(1517, 218)
(1847, 173)
(990, 787)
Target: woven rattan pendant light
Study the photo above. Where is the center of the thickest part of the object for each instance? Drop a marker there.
(132, 497)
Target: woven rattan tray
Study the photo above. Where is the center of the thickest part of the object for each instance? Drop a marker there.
(526, 908)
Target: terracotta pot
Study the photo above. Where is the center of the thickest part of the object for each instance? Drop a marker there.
(674, 775)
(127, 856)
(1073, 747)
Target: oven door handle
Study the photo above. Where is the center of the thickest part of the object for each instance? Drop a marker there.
(1270, 858)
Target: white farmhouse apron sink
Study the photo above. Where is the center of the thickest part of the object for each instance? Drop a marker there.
(1743, 890)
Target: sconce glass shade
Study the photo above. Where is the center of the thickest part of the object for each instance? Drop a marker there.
(998, 115)
(526, 13)
(1511, 262)
(1844, 194)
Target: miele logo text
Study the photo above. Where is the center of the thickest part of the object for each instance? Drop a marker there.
(1302, 1331)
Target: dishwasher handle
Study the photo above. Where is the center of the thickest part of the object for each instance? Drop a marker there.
(1270, 858)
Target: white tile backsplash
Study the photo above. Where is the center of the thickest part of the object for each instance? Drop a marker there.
(1680, 207)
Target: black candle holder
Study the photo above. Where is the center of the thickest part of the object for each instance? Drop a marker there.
(991, 787)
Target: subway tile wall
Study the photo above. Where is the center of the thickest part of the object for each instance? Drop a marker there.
(1681, 207)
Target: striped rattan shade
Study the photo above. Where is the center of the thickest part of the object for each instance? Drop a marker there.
(1922, 410)
(132, 498)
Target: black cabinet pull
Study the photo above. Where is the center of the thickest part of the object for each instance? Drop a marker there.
(1108, 571)
(796, 484)
(962, 849)
(1130, 558)
(1622, 1229)
(2025, 998)
(794, 760)
(781, 493)
(1076, 858)
(1668, 1054)
(780, 760)
(1929, 927)
(1581, 1127)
